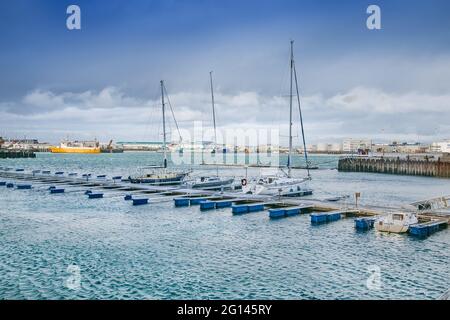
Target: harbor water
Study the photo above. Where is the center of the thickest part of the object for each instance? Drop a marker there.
(68, 247)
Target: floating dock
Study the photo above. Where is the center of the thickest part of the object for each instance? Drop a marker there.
(364, 223)
(23, 186)
(286, 210)
(239, 203)
(428, 228)
(324, 217)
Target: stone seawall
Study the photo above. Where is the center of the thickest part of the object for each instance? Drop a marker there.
(430, 168)
(4, 154)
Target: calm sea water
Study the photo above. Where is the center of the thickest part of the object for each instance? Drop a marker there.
(158, 252)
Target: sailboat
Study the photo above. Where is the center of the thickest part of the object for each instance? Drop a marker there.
(212, 182)
(161, 175)
(283, 184)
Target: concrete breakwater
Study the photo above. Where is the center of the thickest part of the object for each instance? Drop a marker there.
(4, 154)
(416, 167)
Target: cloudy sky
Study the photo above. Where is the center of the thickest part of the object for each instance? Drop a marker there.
(103, 80)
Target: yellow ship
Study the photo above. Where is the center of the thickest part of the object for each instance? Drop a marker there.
(77, 147)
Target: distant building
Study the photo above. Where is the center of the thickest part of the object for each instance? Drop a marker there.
(335, 147)
(354, 145)
(309, 148)
(25, 144)
(323, 147)
(382, 148)
(141, 146)
(411, 148)
(24, 141)
(440, 147)
(194, 146)
(403, 147)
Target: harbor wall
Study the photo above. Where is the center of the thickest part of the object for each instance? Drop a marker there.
(414, 167)
(4, 154)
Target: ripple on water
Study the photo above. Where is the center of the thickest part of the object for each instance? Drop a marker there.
(158, 252)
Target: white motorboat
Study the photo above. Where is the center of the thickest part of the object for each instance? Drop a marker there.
(396, 222)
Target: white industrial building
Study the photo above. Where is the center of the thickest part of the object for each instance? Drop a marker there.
(353, 145)
(322, 147)
(440, 147)
(335, 147)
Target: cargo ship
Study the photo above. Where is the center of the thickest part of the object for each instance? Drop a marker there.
(77, 147)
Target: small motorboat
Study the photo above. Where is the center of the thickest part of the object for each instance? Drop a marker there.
(396, 222)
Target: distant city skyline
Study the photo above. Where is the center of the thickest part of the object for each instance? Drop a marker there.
(102, 81)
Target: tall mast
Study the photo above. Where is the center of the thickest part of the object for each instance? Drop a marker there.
(214, 122)
(290, 112)
(301, 122)
(164, 124)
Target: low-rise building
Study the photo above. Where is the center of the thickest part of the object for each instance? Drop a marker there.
(141, 146)
(411, 148)
(25, 144)
(354, 145)
(440, 147)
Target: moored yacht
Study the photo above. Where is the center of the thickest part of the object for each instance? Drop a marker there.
(161, 175)
(283, 183)
(212, 182)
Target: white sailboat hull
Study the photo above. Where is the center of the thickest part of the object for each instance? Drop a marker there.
(280, 186)
(277, 184)
(211, 183)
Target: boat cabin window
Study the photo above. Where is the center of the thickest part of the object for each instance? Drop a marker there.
(398, 217)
